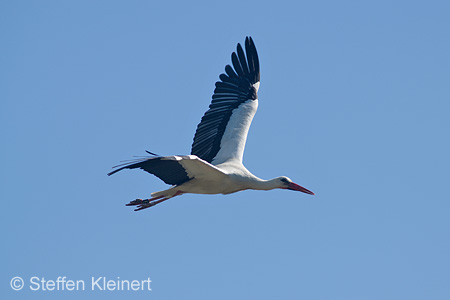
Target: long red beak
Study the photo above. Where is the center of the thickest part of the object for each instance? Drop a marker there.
(296, 187)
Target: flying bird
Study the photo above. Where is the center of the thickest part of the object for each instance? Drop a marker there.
(215, 164)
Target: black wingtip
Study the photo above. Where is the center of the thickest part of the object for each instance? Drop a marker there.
(151, 153)
(115, 171)
(252, 56)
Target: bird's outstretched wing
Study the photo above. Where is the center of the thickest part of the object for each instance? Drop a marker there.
(174, 170)
(222, 132)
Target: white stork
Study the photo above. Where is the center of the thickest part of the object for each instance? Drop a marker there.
(215, 164)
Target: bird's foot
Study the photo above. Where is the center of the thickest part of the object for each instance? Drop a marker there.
(138, 202)
(145, 203)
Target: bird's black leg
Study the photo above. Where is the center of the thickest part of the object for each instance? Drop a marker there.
(145, 203)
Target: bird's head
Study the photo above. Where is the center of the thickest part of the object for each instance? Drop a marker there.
(286, 183)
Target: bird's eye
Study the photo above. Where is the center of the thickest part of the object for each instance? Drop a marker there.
(284, 180)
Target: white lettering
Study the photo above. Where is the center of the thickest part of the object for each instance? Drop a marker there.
(128, 285)
(70, 285)
(50, 285)
(34, 283)
(148, 284)
(135, 285)
(80, 282)
(111, 285)
(62, 283)
(95, 284)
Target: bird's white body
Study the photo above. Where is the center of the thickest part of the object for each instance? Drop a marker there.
(226, 178)
(215, 164)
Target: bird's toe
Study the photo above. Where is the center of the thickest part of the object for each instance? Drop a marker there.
(137, 202)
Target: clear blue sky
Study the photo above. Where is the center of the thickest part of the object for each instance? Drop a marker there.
(354, 105)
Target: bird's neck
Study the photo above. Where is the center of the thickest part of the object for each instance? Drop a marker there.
(265, 185)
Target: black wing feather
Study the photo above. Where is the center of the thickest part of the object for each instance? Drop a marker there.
(254, 57)
(168, 170)
(229, 70)
(234, 88)
(242, 59)
(237, 65)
